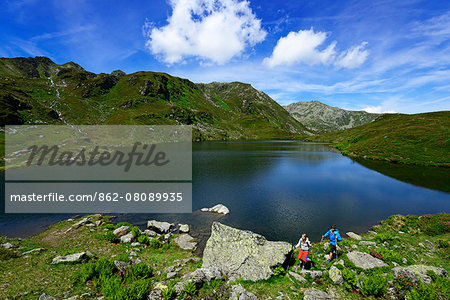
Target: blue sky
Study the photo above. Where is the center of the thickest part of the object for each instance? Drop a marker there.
(380, 56)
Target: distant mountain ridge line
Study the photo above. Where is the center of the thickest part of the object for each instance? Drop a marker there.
(38, 91)
(319, 117)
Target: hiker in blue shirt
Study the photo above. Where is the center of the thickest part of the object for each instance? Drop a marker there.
(335, 237)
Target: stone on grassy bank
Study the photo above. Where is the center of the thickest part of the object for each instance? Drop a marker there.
(365, 260)
(122, 230)
(239, 293)
(186, 242)
(315, 294)
(336, 275)
(419, 272)
(239, 253)
(354, 236)
(70, 258)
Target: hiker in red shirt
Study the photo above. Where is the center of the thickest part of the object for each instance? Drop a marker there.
(304, 244)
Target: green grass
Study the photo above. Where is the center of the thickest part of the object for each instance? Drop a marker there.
(421, 139)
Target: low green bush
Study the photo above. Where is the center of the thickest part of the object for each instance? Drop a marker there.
(387, 255)
(111, 237)
(120, 224)
(350, 282)
(374, 285)
(143, 239)
(189, 289)
(135, 231)
(138, 271)
(435, 224)
(383, 237)
(6, 254)
(110, 226)
(279, 271)
(155, 244)
(169, 292)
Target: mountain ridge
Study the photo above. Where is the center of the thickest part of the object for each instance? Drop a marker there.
(39, 91)
(319, 117)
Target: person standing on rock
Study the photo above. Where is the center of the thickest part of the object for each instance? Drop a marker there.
(335, 237)
(304, 244)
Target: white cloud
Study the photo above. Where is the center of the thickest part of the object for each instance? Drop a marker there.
(212, 30)
(378, 110)
(353, 57)
(302, 47)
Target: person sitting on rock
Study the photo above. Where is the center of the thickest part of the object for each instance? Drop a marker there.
(335, 237)
(304, 244)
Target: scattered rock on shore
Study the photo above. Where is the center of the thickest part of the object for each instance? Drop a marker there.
(186, 242)
(239, 293)
(315, 294)
(122, 230)
(184, 228)
(159, 227)
(336, 275)
(238, 253)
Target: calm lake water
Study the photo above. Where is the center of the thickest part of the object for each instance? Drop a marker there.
(282, 189)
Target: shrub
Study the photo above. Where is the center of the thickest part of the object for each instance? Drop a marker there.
(443, 243)
(6, 254)
(135, 231)
(383, 237)
(120, 224)
(110, 226)
(111, 237)
(350, 282)
(374, 285)
(279, 271)
(139, 271)
(143, 239)
(155, 244)
(169, 292)
(387, 255)
(435, 224)
(189, 289)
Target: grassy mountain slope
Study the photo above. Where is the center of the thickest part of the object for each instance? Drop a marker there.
(38, 91)
(319, 117)
(422, 139)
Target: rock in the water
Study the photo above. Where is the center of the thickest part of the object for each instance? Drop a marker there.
(76, 257)
(354, 236)
(297, 277)
(336, 275)
(186, 242)
(314, 294)
(184, 228)
(239, 293)
(122, 230)
(160, 227)
(219, 209)
(127, 238)
(367, 243)
(239, 253)
(365, 260)
(419, 272)
(7, 245)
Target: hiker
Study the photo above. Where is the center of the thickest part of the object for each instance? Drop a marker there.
(304, 244)
(334, 238)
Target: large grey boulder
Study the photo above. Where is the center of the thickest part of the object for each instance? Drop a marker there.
(127, 238)
(122, 230)
(335, 275)
(76, 257)
(238, 253)
(419, 272)
(365, 260)
(7, 245)
(186, 242)
(239, 293)
(160, 227)
(315, 294)
(354, 236)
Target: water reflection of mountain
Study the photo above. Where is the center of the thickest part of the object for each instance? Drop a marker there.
(434, 178)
